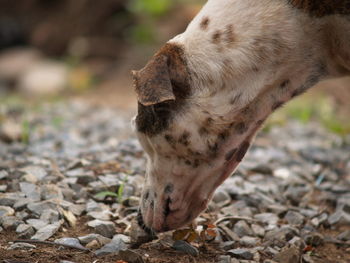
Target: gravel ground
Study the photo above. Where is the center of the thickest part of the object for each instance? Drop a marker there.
(71, 176)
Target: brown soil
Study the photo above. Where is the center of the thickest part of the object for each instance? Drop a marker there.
(152, 252)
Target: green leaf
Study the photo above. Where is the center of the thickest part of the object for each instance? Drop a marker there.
(106, 194)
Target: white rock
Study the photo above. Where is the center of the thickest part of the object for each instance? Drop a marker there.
(6, 211)
(15, 62)
(47, 232)
(44, 78)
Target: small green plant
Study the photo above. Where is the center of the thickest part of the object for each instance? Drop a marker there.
(105, 194)
(118, 194)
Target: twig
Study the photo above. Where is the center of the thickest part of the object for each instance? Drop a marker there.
(30, 241)
(237, 218)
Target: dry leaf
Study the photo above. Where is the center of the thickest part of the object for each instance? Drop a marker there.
(181, 234)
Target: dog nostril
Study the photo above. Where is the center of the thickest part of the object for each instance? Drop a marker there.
(167, 207)
(169, 189)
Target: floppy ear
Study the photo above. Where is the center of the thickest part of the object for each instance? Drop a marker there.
(152, 83)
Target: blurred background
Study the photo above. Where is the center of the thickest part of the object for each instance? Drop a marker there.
(57, 49)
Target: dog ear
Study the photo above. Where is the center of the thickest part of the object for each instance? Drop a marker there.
(152, 83)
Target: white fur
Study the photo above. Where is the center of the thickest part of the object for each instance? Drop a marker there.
(302, 43)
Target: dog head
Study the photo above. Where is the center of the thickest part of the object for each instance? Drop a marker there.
(204, 95)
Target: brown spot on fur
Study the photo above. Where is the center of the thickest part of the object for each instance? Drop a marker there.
(284, 84)
(229, 35)
(169, 189)
(196, 163)
(209, 121)
(223, 135)
(242, 151)
(241, 127)
(203, 131)
(184, 138)
(230, 154)
(213, 149)
(204, 23)
(259, 123)
(322, 8)
(169, 139)
(235, 99)
(216, 37)
(188, 162)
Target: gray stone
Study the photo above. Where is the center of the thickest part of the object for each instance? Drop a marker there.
(50, 216)
(51, 191)
(77, 209)
(47, 232)
(37, 223)
(221, 196)
(224, 259)
(10, 222)
(69, 241)
(25, 231)
(6, 211)
(267, 218)
(38, 172)
(344, 236)
(22, 215)
(339, 217)
(288, 255)
(241, 253)
(114, 246)
(227, 245)
(271, 251)
(21, 246)
(9, 199)
(31, 191)
(241, 228)
(3, 174)
(90, 237)
(3, 188)
(249, 241)
(258, 230)
(321, 219)
(21, 203)
(294, 218)
(104, 228)
(39, 207)
(101, 215)
(185, 247)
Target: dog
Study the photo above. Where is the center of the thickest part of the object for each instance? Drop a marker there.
(206, 92)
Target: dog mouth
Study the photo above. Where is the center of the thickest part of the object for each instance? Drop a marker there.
(143, 226)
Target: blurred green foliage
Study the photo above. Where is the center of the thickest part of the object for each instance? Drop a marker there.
(152, 8)
(311, 107)
(147, 12)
